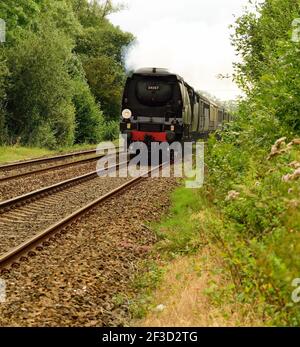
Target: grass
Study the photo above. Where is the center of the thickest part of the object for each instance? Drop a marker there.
(16, 153)
(177, 236)
(189, 280)
(186, 292)
(179, 231)
(11, 154)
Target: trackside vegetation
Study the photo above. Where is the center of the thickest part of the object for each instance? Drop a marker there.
(61, 72)
(249, 207)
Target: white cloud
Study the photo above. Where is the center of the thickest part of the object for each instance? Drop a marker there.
(189, 37)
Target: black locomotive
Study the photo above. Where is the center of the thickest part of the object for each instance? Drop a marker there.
(159, 106)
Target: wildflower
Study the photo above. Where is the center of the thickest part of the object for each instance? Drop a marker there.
(294, 165)
(286, 178)
(294, 203)
(280, 142)
(296, 174)
(291, 177)
(159, 308)
(232, 195)
(276, 148)
(296, 142)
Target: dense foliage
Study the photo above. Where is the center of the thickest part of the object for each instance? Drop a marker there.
(248, 211)
(61, 72)
(251, 198)
(269, 44)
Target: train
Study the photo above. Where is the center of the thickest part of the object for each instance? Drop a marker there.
(160, 106)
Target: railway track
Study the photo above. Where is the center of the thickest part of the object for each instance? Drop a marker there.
(27, 168)
(25, 215)
(17, 214)
(32, 196)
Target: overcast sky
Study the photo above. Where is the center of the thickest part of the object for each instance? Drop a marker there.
(189, 37)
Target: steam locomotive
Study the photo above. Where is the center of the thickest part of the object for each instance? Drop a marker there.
(159, 106)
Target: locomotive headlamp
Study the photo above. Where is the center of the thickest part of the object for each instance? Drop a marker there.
(126, 114)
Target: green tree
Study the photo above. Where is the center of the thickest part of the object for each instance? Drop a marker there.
(40, 93)
(269, 68)
(101, 47)
(106, 79)
(62, 62)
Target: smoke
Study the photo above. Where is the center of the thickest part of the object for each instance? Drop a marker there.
(188, 37)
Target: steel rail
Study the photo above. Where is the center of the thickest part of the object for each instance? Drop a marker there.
(29, 197)
(49, 168)
(42, 239)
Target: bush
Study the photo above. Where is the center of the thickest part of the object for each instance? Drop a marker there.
(40, 93)
(89, 117)
(43, 136)
(256, 228)
(4, 73)
(110, 131)
(3, 130)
